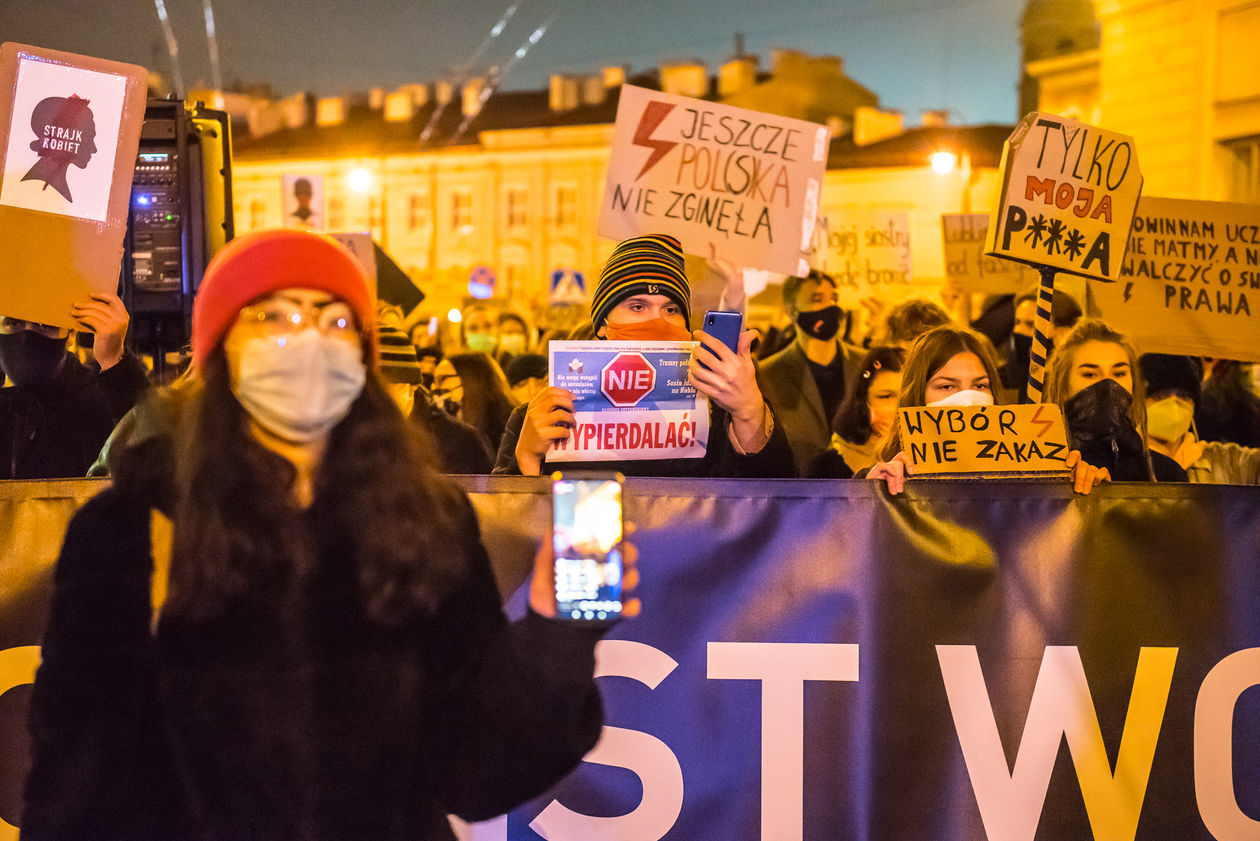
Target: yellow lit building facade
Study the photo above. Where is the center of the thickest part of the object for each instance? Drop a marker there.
(1182, 77)
(515, 184)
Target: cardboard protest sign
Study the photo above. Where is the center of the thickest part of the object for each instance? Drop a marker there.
(303, 201)
(69, 133)
(359, 243)
(985, 439)
(632, 401)
(1190, 281)
(968, 268)
(867, 252)
(745, 182)
(1067, 196)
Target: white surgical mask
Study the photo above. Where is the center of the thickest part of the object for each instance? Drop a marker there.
(1169, 419)
(966, 397)
(300, 386)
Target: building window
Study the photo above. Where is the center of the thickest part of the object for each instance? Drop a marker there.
(336, 213)
(566, 206)
(461, 212)
(1244, 169)
(376, 214)
(516, 207)
(417, 211)
(257, 214)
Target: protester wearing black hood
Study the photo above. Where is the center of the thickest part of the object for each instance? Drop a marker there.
(1093, 377)
(1174, 387)
(57, 412)
(1064, 313)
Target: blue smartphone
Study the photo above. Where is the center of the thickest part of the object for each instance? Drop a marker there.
(724, 326)
(586, 535)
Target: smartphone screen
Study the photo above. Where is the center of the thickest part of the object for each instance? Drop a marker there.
(586, 535)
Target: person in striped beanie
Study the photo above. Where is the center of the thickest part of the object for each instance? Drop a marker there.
(643, 296)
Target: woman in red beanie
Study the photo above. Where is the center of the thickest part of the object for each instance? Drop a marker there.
(329, 659)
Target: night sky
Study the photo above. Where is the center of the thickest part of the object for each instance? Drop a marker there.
(961, 55)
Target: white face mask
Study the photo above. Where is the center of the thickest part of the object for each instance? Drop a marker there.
(966, 397)
(300, 386)
(513, 343)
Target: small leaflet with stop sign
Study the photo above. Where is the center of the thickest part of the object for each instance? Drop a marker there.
(632, 401)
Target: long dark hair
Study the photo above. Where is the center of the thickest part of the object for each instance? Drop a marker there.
(240, 534)
(853, 418)
(929, 354)
(487, 403)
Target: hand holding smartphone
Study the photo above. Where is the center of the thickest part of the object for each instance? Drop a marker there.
(724, 326)
(587, 532)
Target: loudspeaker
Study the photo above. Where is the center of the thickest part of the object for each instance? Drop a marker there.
(181, 215)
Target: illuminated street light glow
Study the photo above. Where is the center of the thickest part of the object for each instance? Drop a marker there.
(359, 180)
(943, 163)
(454, 316)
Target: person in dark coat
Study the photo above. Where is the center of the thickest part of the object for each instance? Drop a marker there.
(806, 381)
(56, 413)
(643, 295)
(316, 649)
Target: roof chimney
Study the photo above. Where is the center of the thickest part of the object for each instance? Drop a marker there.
(474, 95)
(399, 107)
(737, 75)
(330, 111)
(593, 90)
(615, 76)
(685, 78)
(564, 94)
(871, 124)
(935, 117)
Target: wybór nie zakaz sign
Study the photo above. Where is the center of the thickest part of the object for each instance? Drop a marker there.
(1190, 281)
(744, 182)
(968, 268)
(1068, 194)
(632, 401)
(69, 133)
(985, 439)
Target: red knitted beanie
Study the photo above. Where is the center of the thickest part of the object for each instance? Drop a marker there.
(258, 264)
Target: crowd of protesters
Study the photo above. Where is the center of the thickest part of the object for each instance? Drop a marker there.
(814, 397)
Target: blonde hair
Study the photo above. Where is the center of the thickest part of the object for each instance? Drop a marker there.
(929, 354)
(1063, 359)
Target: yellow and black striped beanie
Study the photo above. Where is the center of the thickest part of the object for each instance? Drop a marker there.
(646, 265)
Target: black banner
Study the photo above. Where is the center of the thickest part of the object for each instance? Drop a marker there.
(816, 660)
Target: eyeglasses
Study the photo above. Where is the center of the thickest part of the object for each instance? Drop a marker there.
(9, 326)
(281, 318)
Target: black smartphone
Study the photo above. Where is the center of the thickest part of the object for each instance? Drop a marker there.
(586, 535)
(724, 326)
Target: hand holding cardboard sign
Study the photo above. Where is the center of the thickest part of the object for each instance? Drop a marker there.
(105, 316)
(548, 418)
(730, 380)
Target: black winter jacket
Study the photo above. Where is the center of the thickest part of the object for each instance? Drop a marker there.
(291, 715)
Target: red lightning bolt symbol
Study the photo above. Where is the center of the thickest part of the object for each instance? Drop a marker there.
(1044, 423)
(652, 117)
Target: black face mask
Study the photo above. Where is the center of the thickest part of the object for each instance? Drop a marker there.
(820, 324)
(1099, 426)
(31, 359)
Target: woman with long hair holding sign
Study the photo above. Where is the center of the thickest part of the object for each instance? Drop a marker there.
(954, 366)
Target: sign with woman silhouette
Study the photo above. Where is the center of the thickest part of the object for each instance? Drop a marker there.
(63, 136)
(69, 132)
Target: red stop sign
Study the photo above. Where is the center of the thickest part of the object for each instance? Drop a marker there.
(627, 379)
